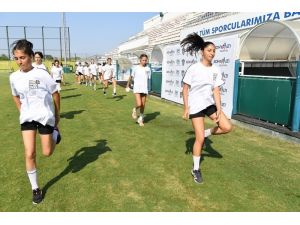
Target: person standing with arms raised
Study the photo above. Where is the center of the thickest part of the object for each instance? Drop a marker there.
(201, 96)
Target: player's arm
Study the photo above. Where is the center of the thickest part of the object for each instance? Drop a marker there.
(56, 100)
(185, 93)
(17, 102)
(217, 98)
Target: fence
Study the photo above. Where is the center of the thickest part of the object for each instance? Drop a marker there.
(51, 41)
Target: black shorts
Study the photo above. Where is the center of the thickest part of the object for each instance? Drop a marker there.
(207, 111)
(58, 81)
(47, 129)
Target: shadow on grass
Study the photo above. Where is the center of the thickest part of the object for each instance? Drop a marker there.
(207, 151)
(71, 96)
(71, 114)
(79, 160)
(151, 116)
(69, 89)
(66, 84)
(118, 97)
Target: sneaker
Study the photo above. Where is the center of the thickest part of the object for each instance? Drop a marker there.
(197, 176)
(134, 114)
(104, 93)
(114, 94)
(140, 121)
(37, 196)
(58, 139)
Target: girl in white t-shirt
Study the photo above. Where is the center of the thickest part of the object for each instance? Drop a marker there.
(93, 71)
(140, 74)
(38, 61)
(57, 74)
(201, 96)
(109, 74)
(38, 101)
(86, 72)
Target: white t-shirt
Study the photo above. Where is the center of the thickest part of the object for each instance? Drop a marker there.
(140, 76)
(93, 69)
(57, 72)
(86, 70)
(41, 66)
(108, 71)
(35, 89)
(202, 81)
(80, 69)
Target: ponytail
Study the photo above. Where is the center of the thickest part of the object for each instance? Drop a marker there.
(193, 43)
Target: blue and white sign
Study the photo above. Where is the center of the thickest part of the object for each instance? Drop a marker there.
(238, 22)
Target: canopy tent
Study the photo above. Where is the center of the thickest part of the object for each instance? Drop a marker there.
(124, 63)
(272, 41)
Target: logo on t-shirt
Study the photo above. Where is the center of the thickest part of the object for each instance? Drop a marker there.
(34, 84)
(215, 76)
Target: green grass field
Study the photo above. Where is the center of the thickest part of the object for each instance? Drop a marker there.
(106, 162)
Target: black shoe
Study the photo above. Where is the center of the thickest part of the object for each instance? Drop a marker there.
(58, 139)
(37, 196)
(197, 176)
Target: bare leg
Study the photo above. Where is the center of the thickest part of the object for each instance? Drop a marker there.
(198, 124)
(48, 144)
(29, 137)
(223, 126)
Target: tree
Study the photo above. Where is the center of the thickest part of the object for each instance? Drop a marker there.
(4, 57)
(49, 57)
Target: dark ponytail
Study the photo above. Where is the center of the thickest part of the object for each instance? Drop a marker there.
(23, 45)
(193, 43)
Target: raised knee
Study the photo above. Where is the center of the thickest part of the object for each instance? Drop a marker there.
(227, 128)
(47, 152)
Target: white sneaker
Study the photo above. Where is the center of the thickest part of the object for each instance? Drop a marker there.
(140, 121)
(134, 114)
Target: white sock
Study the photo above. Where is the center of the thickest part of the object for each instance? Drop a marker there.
(207, 132)
(196, 160)
(142, 115)
(115, 90)
(54, 135)
(32, 175)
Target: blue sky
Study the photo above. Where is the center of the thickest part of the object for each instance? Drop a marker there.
(91, 33)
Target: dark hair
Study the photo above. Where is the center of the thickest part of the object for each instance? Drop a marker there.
(193, 43)
(143, 55)
(56, 60)
(23, 45)
(40, 54)
(109, 58)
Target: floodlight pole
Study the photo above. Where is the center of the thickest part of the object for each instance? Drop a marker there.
(64, 36)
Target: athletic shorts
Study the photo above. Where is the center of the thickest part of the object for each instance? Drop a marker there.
(80, 73)
(47, 129)
(58, 81)
(207, 111)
